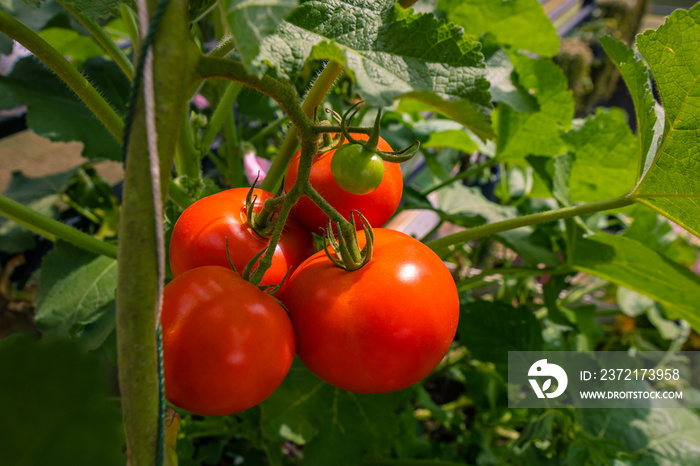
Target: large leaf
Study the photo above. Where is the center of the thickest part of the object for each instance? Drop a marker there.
(604, 151)
(659, 437)
(76, 294)
(387, 50)
(631, 264)
(56, 113)
(336, 427)
(251, 21)
(636, 76)
(40, 195)
(55, 406)
(539, 132)
(671, 185)
(96, 9)
(521, 24)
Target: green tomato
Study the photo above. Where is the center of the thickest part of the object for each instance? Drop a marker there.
(357, 170)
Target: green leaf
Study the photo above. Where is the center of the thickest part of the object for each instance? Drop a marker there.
(674, 57)
(636, 76)
(387, 50)
(56, 113)
(490, 329)
(76, 294)
(461, 111)
(629, 263)
(39, 194)
(55, 410)
(655, 232)
(661, 437)
(499, 72)
(555, 173)
(536, 133)
(521, 24)
(70, 43)
(28, 14)
(604, 151)
(252, 21)
(456, 139)
(96, 9)
(336, 427)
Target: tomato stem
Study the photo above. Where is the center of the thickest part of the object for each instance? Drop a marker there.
(442, 244)
(313, 99)
(338, 129)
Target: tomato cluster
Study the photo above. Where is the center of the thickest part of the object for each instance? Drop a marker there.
(227, 345)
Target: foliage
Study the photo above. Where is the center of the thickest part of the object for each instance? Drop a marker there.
(549, 252)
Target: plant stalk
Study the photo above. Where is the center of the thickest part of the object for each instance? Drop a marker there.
(325, 80)
(444, 243)
(66, 71)
(52, 229)
(175, 57)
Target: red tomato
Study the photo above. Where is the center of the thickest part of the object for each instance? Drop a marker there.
(378, 329)
(199, 237)
(378, 206)
(226, 345)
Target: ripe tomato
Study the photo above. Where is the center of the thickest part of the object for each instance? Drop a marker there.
(199, 237)
(357, 170)
(378, 206)
(226, 345)
(378, 329)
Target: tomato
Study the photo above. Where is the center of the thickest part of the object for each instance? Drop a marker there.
(378, 329)
(226, 345)
(378, 206)
(199, 237)
(357, 170)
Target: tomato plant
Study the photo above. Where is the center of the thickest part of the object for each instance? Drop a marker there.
(378, 206)
(226, 344)
(568, 225)
(200, 234)
(354, 335)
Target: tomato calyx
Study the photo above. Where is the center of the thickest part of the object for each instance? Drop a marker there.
(263, 222)
(370, 145)
(250, 268)
(348, 255)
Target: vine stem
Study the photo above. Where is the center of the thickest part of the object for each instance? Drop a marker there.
(441, 244)
(103, 39)
(67, 72)
(52, 229)
(221, 113)
(317, 93)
